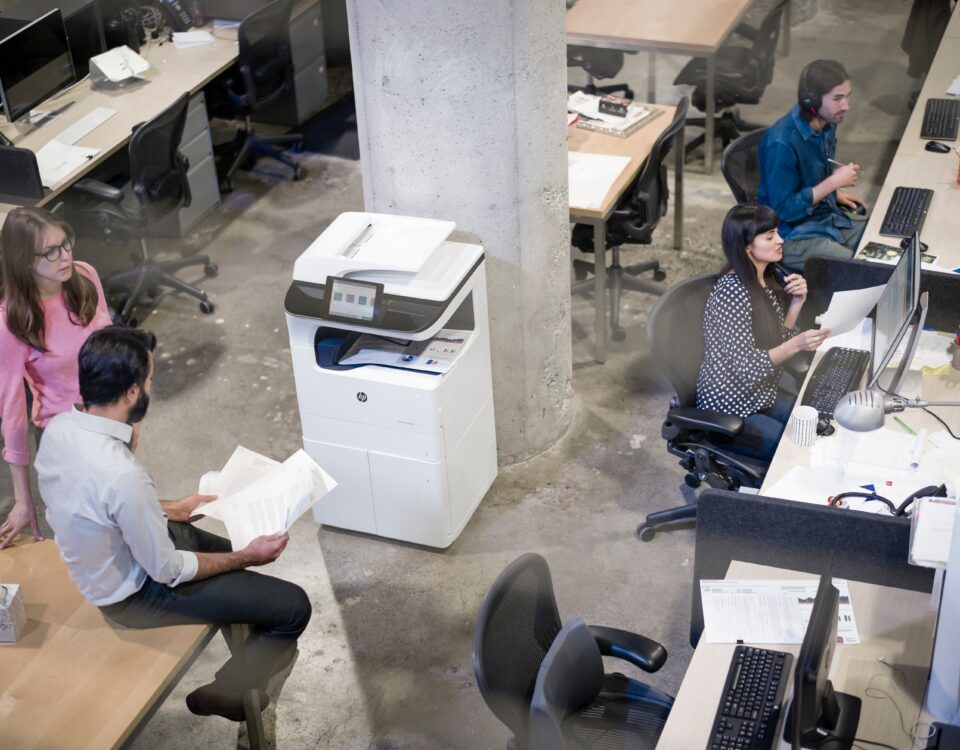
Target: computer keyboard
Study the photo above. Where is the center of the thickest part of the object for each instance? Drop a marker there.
(906, 212)
(84, 125)
(750, 707)
(837, 373)
(941, 118)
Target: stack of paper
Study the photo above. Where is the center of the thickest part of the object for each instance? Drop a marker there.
(591, 118)
(933, 522)
(257, 496)
(881, 448)
(591, 176)
(185, 39)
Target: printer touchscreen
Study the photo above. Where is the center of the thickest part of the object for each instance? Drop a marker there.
(347, 299)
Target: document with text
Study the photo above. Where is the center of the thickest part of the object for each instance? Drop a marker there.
(764, 611)
(257, 495)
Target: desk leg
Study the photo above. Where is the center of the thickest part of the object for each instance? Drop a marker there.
(711, 112)
(652, 77)
(785, 31)
(679, 155)
(600, 291)
(251, 701)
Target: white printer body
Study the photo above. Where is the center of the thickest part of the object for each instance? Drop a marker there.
(413, 452)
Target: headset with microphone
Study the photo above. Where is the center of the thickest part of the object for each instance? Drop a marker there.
(809, 100)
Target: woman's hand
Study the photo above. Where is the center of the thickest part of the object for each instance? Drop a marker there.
(21, 516)
(796, 286)
(810, 340)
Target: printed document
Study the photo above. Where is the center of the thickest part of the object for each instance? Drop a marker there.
(591, 176)
(57, 161)
(848, 308)
(768, 611)
(933, 522)
(433, 355)
(257, 496)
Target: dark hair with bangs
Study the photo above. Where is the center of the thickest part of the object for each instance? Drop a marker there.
(741, 226)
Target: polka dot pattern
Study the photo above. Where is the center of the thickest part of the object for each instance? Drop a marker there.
(736, 377)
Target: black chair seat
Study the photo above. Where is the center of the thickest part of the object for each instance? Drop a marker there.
(614, 721)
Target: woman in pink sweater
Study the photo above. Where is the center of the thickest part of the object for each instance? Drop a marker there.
(50, 304)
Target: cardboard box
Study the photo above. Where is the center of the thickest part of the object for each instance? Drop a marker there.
(13, 614)
(614, 105)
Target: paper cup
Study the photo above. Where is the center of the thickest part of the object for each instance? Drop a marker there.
(805, 425)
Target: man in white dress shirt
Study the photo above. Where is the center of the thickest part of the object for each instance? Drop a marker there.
(138, 558)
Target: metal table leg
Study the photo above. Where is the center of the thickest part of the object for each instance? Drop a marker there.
(652, 77)
(679, 156)
(711, 113)
(600, 291)
(785, 31)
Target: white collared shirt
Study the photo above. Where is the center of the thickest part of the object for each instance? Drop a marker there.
(104, 511)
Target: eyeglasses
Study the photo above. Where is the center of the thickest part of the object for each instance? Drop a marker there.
(53, 253)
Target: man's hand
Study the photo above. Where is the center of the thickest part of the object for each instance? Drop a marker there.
(265, 549)
(849, 200)
(21, 516)
(845, 176)
(182, 510)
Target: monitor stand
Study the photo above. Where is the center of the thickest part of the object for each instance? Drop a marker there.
(839, 719)
(911, 384)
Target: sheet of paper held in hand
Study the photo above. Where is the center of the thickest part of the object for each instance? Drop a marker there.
(768, 611)
(257, 495)
(848, 308)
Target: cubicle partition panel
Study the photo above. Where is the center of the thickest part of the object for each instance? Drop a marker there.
(828, 275)
(800, 536)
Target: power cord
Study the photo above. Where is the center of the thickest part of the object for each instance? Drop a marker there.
(901, 510)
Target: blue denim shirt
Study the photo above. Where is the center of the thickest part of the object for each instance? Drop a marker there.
(793, 158)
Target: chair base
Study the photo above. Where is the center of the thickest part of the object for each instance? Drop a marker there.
(619, 279)
(255, 146)
(148, 277)
(648, 529)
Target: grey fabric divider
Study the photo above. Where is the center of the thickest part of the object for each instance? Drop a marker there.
(799, 536)
(828, 275)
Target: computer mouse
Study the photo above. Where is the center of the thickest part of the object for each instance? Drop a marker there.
(825, 427)
(860, 210)
(937, 147)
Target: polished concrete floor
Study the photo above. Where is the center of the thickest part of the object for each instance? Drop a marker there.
(386, 661)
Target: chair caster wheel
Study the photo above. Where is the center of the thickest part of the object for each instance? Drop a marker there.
(645, 532)
(207, 307)
(659, 275)
(210, 270)
(692, 480)
(618, 334)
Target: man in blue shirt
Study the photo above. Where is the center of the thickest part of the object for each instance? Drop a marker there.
(799, 177)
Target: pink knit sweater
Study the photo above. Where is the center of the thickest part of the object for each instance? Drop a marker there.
(52, 375)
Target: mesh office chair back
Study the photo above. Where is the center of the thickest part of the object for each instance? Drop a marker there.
(740, 164)
(158, 171)
(675, 333)
(516, 625)
(266, 66)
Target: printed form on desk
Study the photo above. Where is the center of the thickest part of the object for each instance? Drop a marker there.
(591, 176)
(257, 496)
(765, 611)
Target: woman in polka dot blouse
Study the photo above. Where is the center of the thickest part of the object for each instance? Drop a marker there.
(747, 334)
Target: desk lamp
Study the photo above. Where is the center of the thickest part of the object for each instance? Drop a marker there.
(863, 411)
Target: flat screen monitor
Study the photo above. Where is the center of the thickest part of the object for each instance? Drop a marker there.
(898, 308)
(35, 64)
(819, 713)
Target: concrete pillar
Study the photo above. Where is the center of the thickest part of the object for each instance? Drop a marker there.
(460, 111)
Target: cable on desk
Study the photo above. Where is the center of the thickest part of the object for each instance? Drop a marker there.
(945, 425)
(872, 691)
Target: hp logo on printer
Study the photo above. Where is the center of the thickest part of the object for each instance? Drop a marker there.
(361, 397)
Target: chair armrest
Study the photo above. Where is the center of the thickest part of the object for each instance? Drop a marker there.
(692, 418)
(637, 649)
(747, 31)
(98, 189)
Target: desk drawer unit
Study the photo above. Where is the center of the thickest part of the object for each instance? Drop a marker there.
(197, 146)
(310, 72)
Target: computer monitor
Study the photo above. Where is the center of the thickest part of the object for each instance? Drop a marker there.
(818, 713)
(900, 308)
(35, 64)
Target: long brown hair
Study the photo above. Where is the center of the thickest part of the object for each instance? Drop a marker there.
(20, 239)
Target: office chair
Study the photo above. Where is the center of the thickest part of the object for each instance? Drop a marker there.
(598, 63)
(266, 74)
(742, 75)
(570, 709)
(740, 165)
(642, 206)
(705, 441)
(158, 188)
(516, 626)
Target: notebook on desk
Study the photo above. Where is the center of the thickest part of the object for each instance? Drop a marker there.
(19, 176)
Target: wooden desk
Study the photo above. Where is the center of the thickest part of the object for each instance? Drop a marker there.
(914, 166)
(73, 680)
(682, 27)
(173, 71)
(637, 146)
(895, 624)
